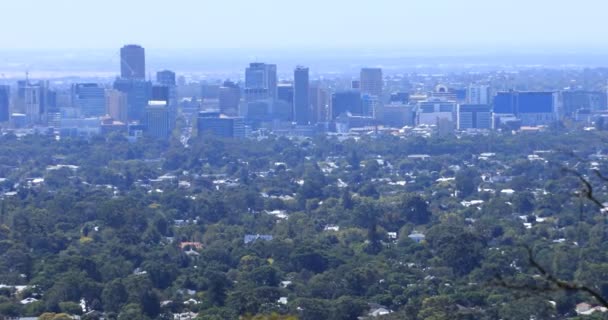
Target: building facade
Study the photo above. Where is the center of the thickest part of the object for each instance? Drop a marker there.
(157, 120)
(132, 62)
(116, 105)
(301, 96)
(372, 82)
(138, 94)
(89, 99)
(229, 98)
(474, 116)
(533, 108)
(346, 101)
(260, 81)
(5, 98)
(478, 94)
(220, 125)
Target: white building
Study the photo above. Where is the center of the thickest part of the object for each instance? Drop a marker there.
(478, 94)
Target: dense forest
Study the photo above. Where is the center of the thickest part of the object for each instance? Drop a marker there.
(308, 228)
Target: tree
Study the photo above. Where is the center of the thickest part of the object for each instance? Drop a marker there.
(217, 284)
(113, 296)
(459, 249)
(414, 210)
(465, 182)
(523, 202)
(349, 308)
(347, 200)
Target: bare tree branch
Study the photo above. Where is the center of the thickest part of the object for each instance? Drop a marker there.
(588, 189)
(552, 283)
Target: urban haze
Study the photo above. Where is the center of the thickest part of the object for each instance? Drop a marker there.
(282, 160)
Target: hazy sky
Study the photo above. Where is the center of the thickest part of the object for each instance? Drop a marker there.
(303, 24)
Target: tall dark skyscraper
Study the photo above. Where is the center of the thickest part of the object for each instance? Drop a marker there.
(301, 92)
(5, 95)
(160, 93)
(346, 101)
(283, 109)
(132, 62)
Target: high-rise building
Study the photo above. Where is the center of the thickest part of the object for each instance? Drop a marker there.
(32, 103)
(319, 103)
(220, 125)
(160, 93)
(372, 82)
(132, 62)
(157, 120)
(35, 100)
(260, 82)
(345, 101)
(301, 99)
(166, 77)
(5, 98)
(370, 106)
(229, 98)
(478, 94)
(89, 98)
(474, 116)
(283, 106)
(116, 105)
(138, 94)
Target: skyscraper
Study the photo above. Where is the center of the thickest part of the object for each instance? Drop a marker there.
(371, 107)
(132, 62)
(372, 82)
(301, 100)
(260, 81)
(157, 120)
(166, 77)
(138, 94)
(116, 105)
(29, 101)
(319, 103)
(346, 101)
(229, 98)
(89, 98)
(478, 94)
(160, 93)
(5, 95)
(283, 107)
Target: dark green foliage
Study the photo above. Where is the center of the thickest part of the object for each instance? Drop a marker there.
(122, 248)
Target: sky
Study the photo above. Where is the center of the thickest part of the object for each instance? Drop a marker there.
(304, 24)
